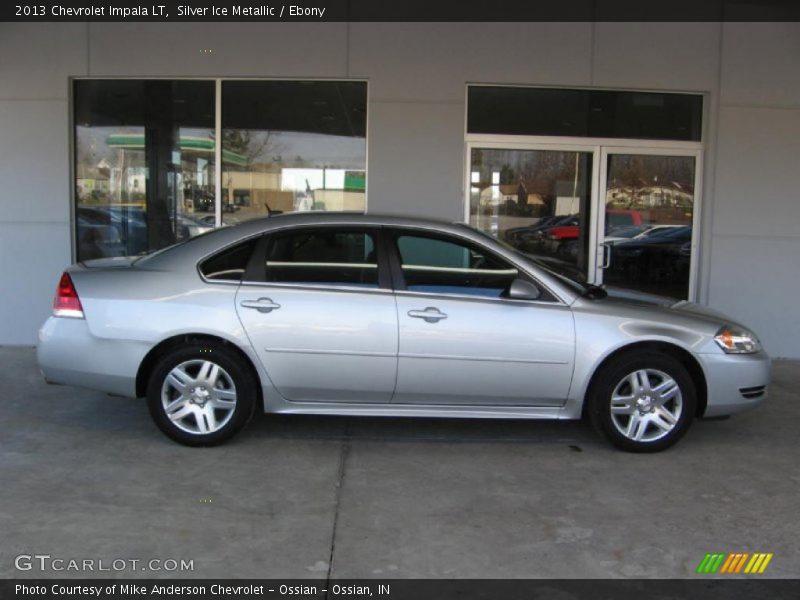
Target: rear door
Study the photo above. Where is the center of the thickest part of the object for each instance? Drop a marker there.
(319, 311)
(462, 342)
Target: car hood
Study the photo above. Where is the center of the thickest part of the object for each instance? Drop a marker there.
(641, 298)
(622, 297)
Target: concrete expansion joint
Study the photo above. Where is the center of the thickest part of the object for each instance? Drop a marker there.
(343, 456)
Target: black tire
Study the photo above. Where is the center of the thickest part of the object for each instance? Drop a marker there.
(613, 377)
(233, 376)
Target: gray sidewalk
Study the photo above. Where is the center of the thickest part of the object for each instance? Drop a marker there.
(87, 476)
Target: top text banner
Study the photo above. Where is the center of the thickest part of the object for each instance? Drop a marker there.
(402, 10)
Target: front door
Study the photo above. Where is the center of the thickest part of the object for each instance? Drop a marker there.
(322, 317)
(462, 342)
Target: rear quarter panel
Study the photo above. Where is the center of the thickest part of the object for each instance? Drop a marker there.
(142, 307)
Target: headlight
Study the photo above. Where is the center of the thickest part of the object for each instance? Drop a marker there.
(735, 340)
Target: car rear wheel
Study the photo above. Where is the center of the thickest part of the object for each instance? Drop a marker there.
(201, 394)
(643, 402)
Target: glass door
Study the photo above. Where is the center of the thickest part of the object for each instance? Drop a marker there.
(538, 200)
(647, 208)
(624, 216)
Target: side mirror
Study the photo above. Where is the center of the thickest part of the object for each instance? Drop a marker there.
(521, 289)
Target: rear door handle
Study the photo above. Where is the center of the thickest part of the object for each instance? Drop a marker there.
(430, 314)
(262, 305)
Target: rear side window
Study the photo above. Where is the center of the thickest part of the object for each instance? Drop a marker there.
(444, 266)
(230, 264)
(323, 256)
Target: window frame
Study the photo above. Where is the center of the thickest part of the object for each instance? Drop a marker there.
(256, 272)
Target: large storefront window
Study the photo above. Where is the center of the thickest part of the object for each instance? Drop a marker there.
(146, 155)
(144, 164)
(292, 146)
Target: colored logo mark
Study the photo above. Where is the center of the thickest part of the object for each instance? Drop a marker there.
(738, 562)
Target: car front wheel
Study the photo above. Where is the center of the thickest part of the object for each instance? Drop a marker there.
(643, 402)
(201, 394)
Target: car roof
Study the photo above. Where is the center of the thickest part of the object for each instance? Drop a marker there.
(224, 236)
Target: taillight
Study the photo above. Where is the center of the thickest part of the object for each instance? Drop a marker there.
(66, 302)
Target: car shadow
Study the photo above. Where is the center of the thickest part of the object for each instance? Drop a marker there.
(417, 429)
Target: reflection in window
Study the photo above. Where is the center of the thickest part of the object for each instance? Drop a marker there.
(292, 146)
(652, 253)
(145, 156)
(144, 164)
(536, 200)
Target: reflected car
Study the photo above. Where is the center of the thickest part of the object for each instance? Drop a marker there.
(635, 232)
(98, 240)
(561, 238)
(344, 314)
(131, 225)
(522, 237)
(661, 256)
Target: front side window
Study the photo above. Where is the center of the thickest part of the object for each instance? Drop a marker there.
(444, 266)
(323, 257)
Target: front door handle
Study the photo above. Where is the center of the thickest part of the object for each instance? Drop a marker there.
(262, 305)
(430, 314)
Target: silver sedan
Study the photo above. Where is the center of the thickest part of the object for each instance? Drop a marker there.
(364, 315)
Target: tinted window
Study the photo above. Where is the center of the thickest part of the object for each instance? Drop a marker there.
(584, 113)
(230, 264)
(447, 267)
(323, 256)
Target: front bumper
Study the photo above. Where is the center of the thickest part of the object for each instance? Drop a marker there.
(735, 382)
(69, 354)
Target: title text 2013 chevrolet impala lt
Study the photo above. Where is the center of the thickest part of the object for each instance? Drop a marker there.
(364, 315)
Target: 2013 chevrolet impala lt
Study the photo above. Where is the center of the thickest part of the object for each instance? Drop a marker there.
(364, 315)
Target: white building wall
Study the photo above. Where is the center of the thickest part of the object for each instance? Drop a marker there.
(417, 74)
(34, 169)
(754, 268)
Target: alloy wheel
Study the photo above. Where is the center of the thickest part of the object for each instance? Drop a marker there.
(198, 396)
(646, 405)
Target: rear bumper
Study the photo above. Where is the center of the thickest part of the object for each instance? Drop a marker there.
(735, 382)
(69, 354)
